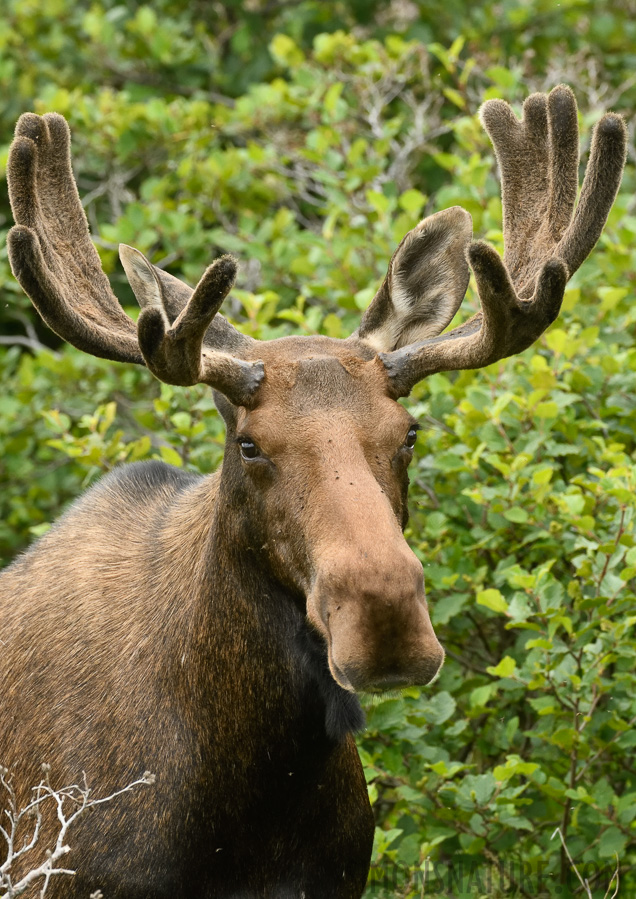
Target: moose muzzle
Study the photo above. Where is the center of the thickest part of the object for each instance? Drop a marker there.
(375, 620)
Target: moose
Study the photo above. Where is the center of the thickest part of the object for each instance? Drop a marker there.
(216, 630)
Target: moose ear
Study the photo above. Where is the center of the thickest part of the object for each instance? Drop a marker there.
(152, 286)
(424, 285)
(141, 276)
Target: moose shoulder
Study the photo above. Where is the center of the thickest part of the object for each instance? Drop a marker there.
(215, 630)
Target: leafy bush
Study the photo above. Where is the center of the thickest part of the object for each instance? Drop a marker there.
(308, 139)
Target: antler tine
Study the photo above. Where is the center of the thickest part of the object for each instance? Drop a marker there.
(539, 158)
(521, 295)
(175, 353)
(50, 250)
(505, 326)
(600, 186)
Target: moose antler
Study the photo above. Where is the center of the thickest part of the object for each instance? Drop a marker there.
(50, 249)
(174, 351)
(183, 340)
(544, 242)
(54, 260)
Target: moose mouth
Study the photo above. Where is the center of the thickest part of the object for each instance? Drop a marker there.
(384, 649)
(339, 676)
(427, 670)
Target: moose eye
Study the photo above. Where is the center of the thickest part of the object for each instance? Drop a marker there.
(248, 448)
(411, 437)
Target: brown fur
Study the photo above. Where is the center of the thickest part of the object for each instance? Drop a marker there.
(213, 630)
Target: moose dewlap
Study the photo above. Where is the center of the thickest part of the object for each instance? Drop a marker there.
(215, 631)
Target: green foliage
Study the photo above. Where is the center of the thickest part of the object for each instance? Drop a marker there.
(65, 419)
(307, 138)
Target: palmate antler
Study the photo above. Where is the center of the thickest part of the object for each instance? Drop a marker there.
(545, 243)
(179, 335)
(183, 340)
(50, 251)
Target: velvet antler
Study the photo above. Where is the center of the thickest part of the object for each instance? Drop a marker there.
(545, 239)
(50, 250)
(179, 335)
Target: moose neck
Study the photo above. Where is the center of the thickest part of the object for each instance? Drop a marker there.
(247, 633)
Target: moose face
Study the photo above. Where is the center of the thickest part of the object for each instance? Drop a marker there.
(324, 454)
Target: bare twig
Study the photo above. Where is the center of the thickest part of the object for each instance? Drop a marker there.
(75, 797)
(20, 340)
(585, 883)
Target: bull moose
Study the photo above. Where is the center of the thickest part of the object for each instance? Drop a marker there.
(215, 630)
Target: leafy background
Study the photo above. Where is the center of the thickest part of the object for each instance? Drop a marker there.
(307, 137)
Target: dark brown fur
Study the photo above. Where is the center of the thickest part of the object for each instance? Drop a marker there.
(214, 631)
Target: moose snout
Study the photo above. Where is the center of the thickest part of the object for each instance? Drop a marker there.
(376, 623)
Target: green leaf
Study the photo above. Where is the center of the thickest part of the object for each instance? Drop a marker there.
(331, 98)
(285, 51)
(556, 339)
(444, 609)
(171, 456)
(440, 707)
(611, 297)
(481, 787)
(378, 201)
(146, 20)
(542, 476)
(548, 409)
(492, 599)
(505, 668)
(412, 201)
(612, 843)
(480, 696)
(539, 643)
(502, 76)
(455, 97)
(516, 515)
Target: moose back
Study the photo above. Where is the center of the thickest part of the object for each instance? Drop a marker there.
(216, 630)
